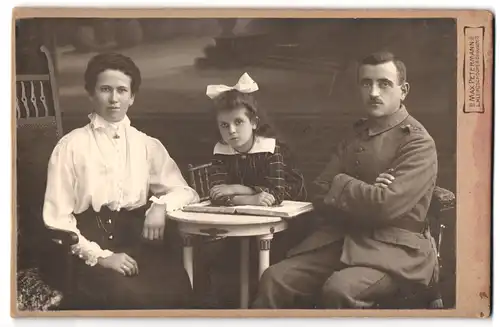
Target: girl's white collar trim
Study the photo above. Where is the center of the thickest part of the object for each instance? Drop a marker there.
(261, 145)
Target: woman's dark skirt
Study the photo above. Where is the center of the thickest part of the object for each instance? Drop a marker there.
(162, 282)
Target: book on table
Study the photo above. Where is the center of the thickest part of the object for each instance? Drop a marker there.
(287, 209)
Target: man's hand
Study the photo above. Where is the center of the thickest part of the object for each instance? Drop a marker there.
(120, 262)
(384, 180)
(154, 224)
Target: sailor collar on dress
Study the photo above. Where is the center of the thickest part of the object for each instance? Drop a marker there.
(261, 145)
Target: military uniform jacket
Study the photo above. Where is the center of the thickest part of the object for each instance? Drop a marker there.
(385, 225)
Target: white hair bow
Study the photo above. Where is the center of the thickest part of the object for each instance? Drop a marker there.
(244, 85)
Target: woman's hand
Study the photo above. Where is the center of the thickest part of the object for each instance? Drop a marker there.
(384, 180)
(221, 190)
(154, 224)
(120, 262)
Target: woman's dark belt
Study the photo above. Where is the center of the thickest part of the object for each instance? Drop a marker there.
(107, 218)
(111, 228)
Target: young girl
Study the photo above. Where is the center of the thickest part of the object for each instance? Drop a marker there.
(250, 166)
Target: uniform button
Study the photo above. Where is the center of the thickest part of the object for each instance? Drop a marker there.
(357, 162)
(109, 221)
(110, 237)
(361, 149)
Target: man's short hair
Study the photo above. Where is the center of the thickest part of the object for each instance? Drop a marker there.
(382, 57)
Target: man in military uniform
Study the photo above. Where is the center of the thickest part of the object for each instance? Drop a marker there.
(374, 195)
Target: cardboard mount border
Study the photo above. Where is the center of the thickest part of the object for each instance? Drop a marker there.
(474, 150)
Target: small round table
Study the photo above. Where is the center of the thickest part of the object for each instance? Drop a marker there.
(229, 225)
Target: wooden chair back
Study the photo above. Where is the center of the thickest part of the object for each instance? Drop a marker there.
(37, 100)
(198, 179)
(39, 128)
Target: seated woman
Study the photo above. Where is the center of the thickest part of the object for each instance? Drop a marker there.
(99, 180)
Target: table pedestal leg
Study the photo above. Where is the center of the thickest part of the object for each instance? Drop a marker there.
(244, 258)
(187, 254)
(264, 248)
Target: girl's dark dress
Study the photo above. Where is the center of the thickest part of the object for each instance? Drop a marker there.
(269, 166)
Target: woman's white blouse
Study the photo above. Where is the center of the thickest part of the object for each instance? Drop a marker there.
(114, 165)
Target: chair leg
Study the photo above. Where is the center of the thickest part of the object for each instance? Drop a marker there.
(436, 304)
(433, 297)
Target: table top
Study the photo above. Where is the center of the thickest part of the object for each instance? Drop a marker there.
(221, 219)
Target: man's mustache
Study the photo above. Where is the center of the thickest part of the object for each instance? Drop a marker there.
(375, 101)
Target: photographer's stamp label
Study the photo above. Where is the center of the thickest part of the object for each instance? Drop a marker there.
(474, 69)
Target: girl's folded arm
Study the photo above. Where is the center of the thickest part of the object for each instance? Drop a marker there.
(217, 173)
(276, 184)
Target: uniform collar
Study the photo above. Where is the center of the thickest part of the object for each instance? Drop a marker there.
(97, 122)
(261, 145)
(383, 124)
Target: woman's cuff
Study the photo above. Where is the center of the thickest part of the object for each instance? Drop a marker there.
(91, 257)
(176, 199)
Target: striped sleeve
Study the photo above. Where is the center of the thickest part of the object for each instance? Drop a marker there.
(219, 175)
(218, 172)
(275, 178)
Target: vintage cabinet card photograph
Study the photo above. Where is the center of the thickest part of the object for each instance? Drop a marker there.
(251, 163)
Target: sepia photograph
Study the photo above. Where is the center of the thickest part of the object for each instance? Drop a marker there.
(205, 162)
